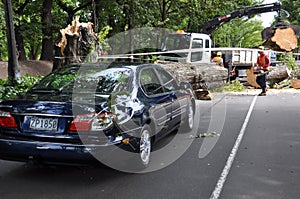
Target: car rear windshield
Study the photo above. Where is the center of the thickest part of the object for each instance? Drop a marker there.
(99, 80)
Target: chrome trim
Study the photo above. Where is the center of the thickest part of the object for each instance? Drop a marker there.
(42, 114)
(53, 146)
(6, 106)
(175, 115)
(164, 122)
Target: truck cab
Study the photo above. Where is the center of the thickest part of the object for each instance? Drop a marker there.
(186, 47)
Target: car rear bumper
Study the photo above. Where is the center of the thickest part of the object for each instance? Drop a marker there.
(51, 153)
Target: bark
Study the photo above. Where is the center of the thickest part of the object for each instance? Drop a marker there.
(202, 77)
(76, 42)
(21, 55)
(279, 74)
(47, 42)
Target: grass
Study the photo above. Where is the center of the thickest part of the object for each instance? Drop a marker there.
(234, 86)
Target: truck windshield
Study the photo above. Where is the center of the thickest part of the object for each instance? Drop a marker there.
(176, 42)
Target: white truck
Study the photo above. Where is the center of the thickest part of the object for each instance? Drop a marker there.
(197, 48)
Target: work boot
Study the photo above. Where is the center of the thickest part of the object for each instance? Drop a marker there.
(263, 93)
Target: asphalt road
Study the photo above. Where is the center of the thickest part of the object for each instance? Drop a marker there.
(243, 147)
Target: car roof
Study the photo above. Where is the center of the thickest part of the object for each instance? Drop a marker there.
(131, 65)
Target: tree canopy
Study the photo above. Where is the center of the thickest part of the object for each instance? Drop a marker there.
(37, 22)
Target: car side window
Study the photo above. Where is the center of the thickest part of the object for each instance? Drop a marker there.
(169, 83)
(149, 82)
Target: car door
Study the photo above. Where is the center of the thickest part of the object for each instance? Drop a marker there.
(178, 99)
(159, 102)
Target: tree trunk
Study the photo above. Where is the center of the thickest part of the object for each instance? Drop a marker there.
(47, 43)
(76, 42)
(279, 74)
(21, 55)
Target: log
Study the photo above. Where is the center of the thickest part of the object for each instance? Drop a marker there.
(251, 77)
(276, 75)
(296, 83)
(202, 77)
(284, 39)
(298, 72)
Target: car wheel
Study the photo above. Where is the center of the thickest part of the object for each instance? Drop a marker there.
(145, 146)
(189, 120)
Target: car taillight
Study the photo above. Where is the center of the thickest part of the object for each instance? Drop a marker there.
(7, 120)
(92, 122)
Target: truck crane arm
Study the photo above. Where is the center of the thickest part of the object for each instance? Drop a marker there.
(216, 22)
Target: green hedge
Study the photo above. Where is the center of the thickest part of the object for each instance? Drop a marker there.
(21, 86)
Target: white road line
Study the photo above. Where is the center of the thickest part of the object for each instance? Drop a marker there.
(217, 191)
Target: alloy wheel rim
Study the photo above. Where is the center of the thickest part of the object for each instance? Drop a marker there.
(145, 147)
(191, 118)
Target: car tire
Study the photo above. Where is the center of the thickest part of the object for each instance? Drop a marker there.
(144, 147)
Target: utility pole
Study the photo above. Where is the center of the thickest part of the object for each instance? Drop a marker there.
(13, 67)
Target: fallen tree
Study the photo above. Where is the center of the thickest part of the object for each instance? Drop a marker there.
(202, 77)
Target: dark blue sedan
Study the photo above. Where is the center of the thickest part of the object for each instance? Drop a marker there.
(78, 112)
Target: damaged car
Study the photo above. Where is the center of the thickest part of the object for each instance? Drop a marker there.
(77, 111)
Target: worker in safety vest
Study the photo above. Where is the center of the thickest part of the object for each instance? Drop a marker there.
(218, 59)
(262, 68)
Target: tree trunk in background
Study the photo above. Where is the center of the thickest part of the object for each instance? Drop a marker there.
(21, 55)
(47, 43)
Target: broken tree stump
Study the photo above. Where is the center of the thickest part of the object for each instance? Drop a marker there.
(76, 41)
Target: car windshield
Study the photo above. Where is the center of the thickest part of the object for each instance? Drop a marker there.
(101, 81)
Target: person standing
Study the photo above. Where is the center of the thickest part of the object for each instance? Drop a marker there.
(218, 59)
(262, 68)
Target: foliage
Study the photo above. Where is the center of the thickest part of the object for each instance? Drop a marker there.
(115, 16)
(289, 60)
(3, 41)
(102, 37)
(239, 33)
(61, 81)
(293, 8)
(22, 85)
(234, 86)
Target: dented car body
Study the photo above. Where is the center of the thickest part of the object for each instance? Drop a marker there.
(78, 110)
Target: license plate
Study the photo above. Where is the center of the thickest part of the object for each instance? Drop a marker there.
(43, 124)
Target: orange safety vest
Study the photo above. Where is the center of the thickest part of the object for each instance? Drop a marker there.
(263, 61)
(217, 59)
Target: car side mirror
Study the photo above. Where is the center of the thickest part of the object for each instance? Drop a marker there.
(185, 85)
